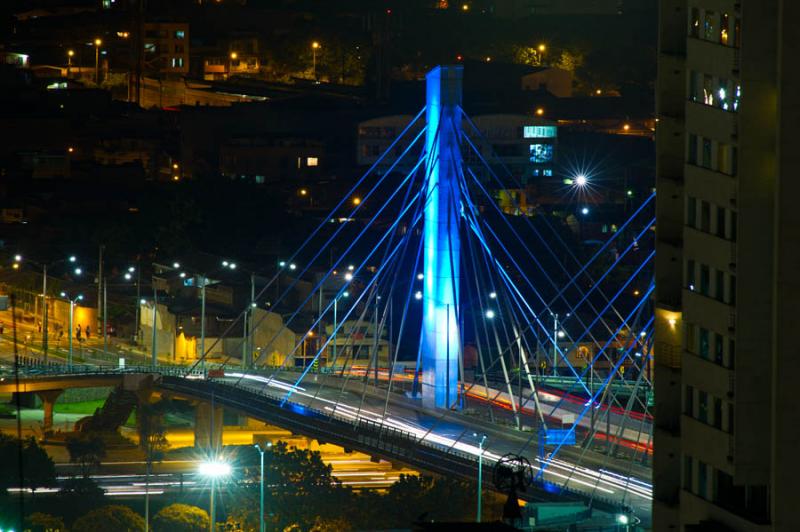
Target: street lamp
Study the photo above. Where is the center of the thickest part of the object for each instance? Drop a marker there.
(234, 56)
(261, 451)
(335, 308)
(214, 470)
(70, 55)
(97, 43)
(72, 301)
(581, 180)
(129, 276)
(314, 47)
(480, 475)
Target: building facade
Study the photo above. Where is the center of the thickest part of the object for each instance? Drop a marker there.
(727, 262)
(166, 47)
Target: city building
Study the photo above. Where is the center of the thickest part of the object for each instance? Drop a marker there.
(166, 47)
(726, 432)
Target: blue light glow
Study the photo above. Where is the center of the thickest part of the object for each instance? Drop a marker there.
(440, 337)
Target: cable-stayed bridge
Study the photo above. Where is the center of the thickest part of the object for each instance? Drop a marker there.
(496, 326)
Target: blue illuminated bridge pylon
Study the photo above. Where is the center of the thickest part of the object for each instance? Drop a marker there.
(502, 325)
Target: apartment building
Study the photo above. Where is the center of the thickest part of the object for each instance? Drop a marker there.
(728, 258)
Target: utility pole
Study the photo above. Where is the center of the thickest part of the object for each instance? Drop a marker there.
(100, 316)
(555, 345)
(203, 322)
(105, 316)
(155, 316)
(44, 311)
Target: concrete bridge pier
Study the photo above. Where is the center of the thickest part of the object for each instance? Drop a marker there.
(48, 398)
(208, 426)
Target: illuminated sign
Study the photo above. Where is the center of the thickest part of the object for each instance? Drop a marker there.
(539, 132)
(541, 153)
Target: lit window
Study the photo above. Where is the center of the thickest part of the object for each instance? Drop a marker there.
(547, 172)
(312, 161)
(180, 34)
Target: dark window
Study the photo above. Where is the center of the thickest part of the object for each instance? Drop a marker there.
(719, 348)
(737, 32)
(731, 353)
(702, 406)
(690, 273)
(719, 288)
(689, 406)
(720, 222)
(692, 156)
(691, 212)
(732, 295)
(717, 413)
(704, 343)
(687, 473)
(705, 216)
(702, 479)
(704, 279)
(706, 163)
(733, 226)
(734, 160)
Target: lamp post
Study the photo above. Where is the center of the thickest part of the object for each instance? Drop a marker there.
(480, 476)
(234, 56)
(335, 309)
(128, 277)
(314, 47)
(72, 301)
(97, 43)
(261, 526)
(214, 470)
(555, 345)
(70, 55)
(155, 317)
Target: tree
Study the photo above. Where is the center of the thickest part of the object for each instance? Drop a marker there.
(302, 490)
(41, 522)
(38, 468)
(77, 496)
(86, 450)
(181, 518)
(113, 517)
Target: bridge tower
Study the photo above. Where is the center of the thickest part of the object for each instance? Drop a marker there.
(440, 335)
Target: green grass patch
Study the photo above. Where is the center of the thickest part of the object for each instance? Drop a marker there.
(82, 407)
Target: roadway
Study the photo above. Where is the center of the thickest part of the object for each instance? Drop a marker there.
(582, 470)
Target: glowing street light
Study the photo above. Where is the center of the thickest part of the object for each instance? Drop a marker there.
(214, 470)
(70, 55)
(348, 276)
(314, 47)
(72, 301)
(418, 295)
(97, 43)
(490, 314)
(581, 180)
(585, 211)
(261, 450)
(492, 295)
(420, 276)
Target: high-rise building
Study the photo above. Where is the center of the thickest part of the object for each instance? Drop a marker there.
(727, 433)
